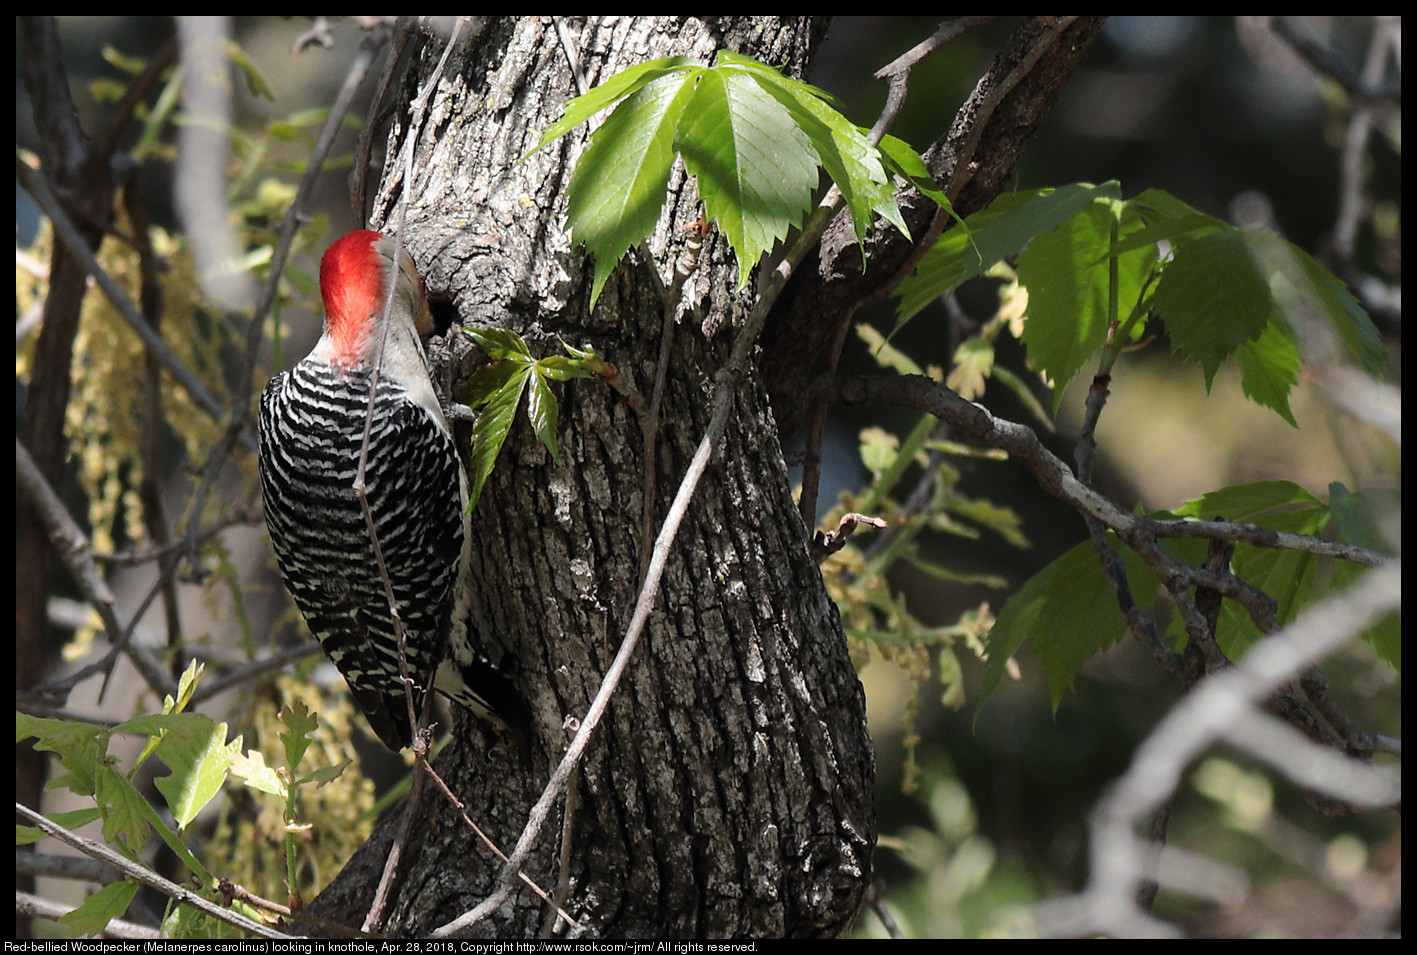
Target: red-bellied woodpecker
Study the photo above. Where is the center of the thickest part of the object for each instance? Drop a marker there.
(312, 423)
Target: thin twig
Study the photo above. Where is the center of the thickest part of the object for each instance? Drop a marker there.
(1055, 477)
(457, 805)
(375, 915)
(144, 876)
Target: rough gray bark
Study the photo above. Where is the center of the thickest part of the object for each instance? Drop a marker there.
(729, 791)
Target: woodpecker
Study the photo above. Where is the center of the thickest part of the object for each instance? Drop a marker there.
(311, 427)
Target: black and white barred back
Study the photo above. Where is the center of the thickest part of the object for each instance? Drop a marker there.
(311, 428)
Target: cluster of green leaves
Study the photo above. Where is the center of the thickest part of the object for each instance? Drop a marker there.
(198, 756)
(191, 746)
(1094, 270)
(753, 139)
(1067, 611)
(497, 388)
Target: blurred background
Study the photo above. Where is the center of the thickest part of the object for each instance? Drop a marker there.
(1218, 111)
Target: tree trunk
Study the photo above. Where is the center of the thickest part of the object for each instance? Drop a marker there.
(728, 792)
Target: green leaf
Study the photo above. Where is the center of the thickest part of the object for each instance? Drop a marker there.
(842, 148)
(125, 823)
(878, 450)
(993, 234)
(566, 367)
(499, 343)
(186, 686)
(1269, 368)
(1247, 502)
(613, 90)
(1287, 576)
(1069, 298)
(1370, 518)
(100, 908)
(494, 421)
(751, 160)
(973, 363)
(195, 749)
(886, 354)
(80, 747)
(255, 79)
(252, 769)
(543, 411)
(73, 819)
(1385, 636)
(618, 188)
(1213, 299)
(774, 76)
(1164, 218)
(902, 160)
(1068, 612)
(326, 774)
(1304, 288)
(299, 724)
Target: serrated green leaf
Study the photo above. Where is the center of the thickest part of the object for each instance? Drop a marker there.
(543, 411)
(843, 150)
(751, 160)
(1247, 502)
(613, 90)
(902, 160)
(878, 450)
(993, 234)
(499, 343)
(100, 908)
(488, 380)
(1068, 297)
(566, 367)
(1269, 368)
(326, 774)
(1212, 299)
(493, 424)
(1164, 218)
(1302, 287)
(771, 74)
(125, 823)
(1285, 575)
(618, 188)
(1384, 636)
(973, 364)
(1067, 612)
(79, 746)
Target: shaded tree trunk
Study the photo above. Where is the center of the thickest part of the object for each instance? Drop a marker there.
(729, 790)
